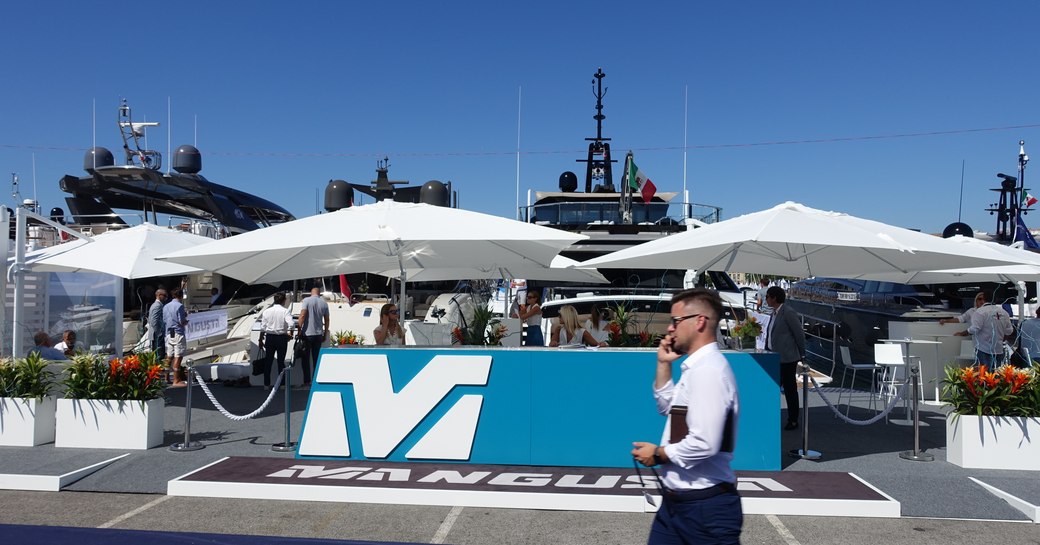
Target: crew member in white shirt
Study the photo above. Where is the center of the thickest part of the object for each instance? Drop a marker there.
(989, 325)
(275, 326)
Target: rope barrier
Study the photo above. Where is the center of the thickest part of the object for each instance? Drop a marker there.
(883, 414)
(235, 417)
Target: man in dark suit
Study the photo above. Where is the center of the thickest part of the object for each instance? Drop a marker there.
(786, 336)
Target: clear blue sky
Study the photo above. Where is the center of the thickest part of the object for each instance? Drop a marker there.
(287, 96)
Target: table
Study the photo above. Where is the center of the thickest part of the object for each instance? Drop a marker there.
(906, 354)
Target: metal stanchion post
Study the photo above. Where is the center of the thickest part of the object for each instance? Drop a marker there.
(916, 454)
(187, 445)
(805, 453)
(287, 445)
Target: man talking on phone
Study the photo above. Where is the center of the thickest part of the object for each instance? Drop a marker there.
(701, 504)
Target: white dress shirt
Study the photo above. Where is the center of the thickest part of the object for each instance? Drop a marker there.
(989, 325)
(276, 320)
(708, 389)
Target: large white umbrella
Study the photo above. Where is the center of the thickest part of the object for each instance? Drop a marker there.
(1027, 271)
(791, 239)
(561, 269)
(384, 236)
(126, 253)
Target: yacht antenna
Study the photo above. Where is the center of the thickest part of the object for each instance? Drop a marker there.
(15, 193)
(134, 132)
(598, 163)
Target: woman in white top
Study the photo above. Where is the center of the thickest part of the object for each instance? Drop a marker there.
(531, 315)
(389, 331)
(596, 325)
(568, 332)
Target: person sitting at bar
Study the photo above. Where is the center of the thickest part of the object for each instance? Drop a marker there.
(44, 349)
(68, 343)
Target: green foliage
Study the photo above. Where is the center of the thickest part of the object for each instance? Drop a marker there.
(28, 377)
(483, 330)
(134, 377)
(619, 330)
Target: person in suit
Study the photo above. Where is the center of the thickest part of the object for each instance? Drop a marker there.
(786, 336)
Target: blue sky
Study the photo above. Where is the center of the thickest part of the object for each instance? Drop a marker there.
(286, 96)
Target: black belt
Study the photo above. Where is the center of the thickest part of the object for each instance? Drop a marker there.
(696, 494)
(277, 334)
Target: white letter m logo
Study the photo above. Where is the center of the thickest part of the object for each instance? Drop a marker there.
(386, 418)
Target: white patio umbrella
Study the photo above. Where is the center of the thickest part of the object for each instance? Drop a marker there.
(791, 239)
(383, 236)
(1027, 271)
(561, 269)
(126, 253)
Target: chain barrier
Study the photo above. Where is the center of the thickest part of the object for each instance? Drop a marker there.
(897, 396)
(235, 417)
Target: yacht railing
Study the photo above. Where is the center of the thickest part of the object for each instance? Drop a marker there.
(606, 213)
(825, 332)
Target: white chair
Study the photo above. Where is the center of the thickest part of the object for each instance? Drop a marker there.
(967, 355)
(846, 359)
(894, 361)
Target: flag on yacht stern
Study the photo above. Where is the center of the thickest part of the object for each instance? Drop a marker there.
(639, 182)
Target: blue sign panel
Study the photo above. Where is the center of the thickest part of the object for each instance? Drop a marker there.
(513, 406)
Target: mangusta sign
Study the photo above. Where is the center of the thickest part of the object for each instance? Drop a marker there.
(511, 406)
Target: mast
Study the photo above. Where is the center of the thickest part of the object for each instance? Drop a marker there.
(598, 163)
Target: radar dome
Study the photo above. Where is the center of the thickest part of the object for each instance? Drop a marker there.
(338, 195)
(958, 228)
(187, 160)
(97, 157)
(435, 192)
(568, 182)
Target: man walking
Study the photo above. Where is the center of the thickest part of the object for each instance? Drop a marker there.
(698, 486)
(275, 325)
(314, 329)
(175, 317)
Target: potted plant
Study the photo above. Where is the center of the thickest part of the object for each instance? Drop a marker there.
(343, 338)
(995, 422)
(747, 332)
(619, 334)
(484, 329)
(111, 404)
(26, 406)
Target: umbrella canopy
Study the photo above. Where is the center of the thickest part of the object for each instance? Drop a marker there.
(126, 253)
(794, 240)
(1028, 271)
(560, 270)
(384, 236)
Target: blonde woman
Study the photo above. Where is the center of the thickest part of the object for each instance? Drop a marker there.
(567, 330)
(389, 331)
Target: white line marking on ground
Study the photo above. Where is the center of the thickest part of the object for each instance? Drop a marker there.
(137, 511)
(445, 527)
(782, 530)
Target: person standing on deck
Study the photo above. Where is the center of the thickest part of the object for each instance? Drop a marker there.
(760, 296)
(156, 331)
(313, 330)
(175, 317)
(531, 316)
(275, 326)
(988, 327)
(698, 486)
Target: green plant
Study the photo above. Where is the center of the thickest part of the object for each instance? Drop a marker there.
(347, 337)
(619, 333)
(483, 330)
(1008, 391)
(28, 377)
(132, 377)
(748, 329)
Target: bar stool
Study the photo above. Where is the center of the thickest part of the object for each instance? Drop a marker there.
(846, 360)
(894, 361)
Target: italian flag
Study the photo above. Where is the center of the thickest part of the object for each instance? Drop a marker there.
(1027, 199)
(640, 183)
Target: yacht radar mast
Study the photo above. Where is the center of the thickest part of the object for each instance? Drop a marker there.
(598, 163)
(133, 132)
(1008, 205)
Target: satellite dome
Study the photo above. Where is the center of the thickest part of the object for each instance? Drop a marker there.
(187, 160)
(338, 195)
(568, 182)
(435, 192)
(958, 228)
(97, 157)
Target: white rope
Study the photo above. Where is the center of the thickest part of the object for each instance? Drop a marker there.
(884, 413)
(236, 417)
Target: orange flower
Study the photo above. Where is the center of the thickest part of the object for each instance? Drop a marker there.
(113, 367)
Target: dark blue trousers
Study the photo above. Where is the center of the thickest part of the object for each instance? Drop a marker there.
(715, 520)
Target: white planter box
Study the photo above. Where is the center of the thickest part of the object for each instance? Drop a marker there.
(26, 421)
(102, 423)
(994, 442)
